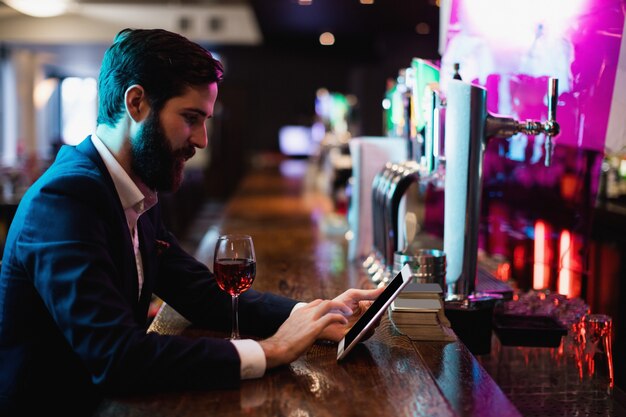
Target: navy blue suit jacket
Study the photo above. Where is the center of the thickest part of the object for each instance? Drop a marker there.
(72, 327)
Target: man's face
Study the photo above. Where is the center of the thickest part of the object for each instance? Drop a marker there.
(167, 139)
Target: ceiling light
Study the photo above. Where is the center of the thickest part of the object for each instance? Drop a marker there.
(422, 28)
(305, 2)
(367, 1)
(327, 39)
(39, 8)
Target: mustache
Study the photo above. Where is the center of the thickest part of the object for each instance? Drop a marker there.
(186, 153)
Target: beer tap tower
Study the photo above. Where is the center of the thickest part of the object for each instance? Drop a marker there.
(468, 128)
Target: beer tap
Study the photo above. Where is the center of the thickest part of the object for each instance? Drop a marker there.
(502, 126)
(468, 128)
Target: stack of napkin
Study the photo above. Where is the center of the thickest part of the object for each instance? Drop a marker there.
(418, 312)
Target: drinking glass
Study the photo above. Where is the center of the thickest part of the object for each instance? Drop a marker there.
(598, 352)
(234, 265)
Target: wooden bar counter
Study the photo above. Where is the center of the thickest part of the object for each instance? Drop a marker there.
(388, 375)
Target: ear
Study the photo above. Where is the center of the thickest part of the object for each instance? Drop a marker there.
(136, 102)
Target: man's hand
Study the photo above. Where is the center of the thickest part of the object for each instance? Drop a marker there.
(302, 328)
(358, 301)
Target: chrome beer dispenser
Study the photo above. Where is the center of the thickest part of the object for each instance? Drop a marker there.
(468, 128)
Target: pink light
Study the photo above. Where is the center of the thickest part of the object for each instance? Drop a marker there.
(513, 24)
(565, 273)
(541, 272)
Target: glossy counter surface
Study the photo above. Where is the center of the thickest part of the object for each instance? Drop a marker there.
(297, 256)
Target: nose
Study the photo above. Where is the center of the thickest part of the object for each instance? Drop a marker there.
(199, 137)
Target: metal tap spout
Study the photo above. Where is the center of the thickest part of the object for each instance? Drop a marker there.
(504, 126)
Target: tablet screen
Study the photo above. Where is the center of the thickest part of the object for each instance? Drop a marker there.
(383, 300)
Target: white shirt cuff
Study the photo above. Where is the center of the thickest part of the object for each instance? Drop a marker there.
(297, 306)
(252, 358)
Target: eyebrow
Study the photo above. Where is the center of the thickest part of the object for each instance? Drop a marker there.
(195, 110)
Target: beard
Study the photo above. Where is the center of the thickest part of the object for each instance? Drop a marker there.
(154, 161)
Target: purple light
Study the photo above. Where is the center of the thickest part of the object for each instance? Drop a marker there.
(512, 47)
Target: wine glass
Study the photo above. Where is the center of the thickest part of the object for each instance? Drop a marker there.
(234, 265)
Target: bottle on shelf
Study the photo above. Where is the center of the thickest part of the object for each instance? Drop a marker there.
(456, 75)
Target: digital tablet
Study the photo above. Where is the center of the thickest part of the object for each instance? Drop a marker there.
(373, 313)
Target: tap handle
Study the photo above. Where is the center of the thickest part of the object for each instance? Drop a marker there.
(553, 97)
(551, 127)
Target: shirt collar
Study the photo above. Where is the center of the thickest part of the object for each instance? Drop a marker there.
(133, 193)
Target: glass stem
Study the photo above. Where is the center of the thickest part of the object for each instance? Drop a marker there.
(235, 333)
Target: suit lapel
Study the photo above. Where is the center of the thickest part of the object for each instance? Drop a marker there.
(147, 242)
(87, 148)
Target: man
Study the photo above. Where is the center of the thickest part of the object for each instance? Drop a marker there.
(87, 248)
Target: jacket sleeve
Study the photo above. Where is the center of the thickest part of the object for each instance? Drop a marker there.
(69, 245)
(190, 288)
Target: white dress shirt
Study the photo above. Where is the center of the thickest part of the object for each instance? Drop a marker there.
(136, 199)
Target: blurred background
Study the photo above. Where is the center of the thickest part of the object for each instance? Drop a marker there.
(50, 54)
(270, 48)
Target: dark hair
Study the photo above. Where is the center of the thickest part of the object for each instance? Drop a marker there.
(162, 62)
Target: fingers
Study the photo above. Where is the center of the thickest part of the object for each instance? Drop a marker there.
(314, 303)
(331, 318)
(334, 307)
(358, 299)
(356, 294)
(326, 305)
(352, 296)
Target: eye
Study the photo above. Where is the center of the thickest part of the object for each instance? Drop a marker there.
(191, 119)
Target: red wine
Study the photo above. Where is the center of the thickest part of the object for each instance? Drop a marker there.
(235, 275)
